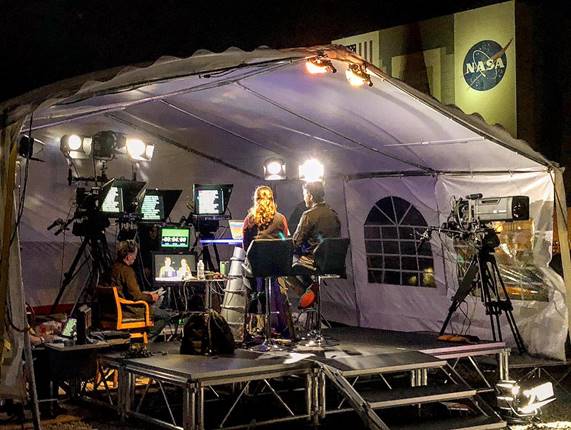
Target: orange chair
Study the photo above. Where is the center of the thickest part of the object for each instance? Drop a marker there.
(111, 314)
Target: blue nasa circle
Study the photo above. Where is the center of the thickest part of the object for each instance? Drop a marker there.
(485, 65)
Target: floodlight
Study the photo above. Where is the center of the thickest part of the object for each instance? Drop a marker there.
(357, 75)
(319, 65)
(311, 171)
(76, 147)
(105, 144)
(139, 150)
(274, 169)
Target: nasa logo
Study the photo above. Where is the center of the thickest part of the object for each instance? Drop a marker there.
(485, 65)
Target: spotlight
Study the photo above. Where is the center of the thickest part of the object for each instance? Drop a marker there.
(357, 75)
(274, 169)
(523, 403)
(139, 150)
(319, 65)
(311, 171)
(76, 147)
(536, 397)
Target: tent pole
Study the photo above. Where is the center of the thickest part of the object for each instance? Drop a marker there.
(357, 308)
(561, 211)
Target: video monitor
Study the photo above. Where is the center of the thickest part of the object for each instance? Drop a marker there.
(211, 200)
(113, 202)
(158, 204)
(175, 237)
(173, 267)
(121, 196)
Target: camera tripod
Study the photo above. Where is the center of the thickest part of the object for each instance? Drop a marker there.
(483, 271)
(95, 245)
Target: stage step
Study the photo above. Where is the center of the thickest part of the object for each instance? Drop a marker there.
(383, 363)
(462, 423)
(379, 399)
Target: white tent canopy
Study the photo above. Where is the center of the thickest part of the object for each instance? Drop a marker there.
(217, 117)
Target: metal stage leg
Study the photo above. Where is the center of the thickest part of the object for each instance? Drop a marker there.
(503, 365)
(200, 407)
(189, 407)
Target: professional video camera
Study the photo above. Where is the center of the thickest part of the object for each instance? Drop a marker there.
(469, 220)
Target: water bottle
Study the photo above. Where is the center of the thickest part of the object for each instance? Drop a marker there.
(200, 270)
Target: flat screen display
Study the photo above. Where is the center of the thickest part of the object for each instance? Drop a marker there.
(113, 203)
(210, 201)
(175, 237)
(173, 267)
(153, 208)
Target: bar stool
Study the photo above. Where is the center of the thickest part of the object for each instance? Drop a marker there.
(329, 260)
(270, 258)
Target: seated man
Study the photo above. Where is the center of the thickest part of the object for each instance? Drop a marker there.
(318, 222)
(124, 278)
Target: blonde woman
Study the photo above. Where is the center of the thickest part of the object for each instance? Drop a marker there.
(263, 220)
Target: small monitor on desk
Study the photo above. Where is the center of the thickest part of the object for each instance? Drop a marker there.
(173, 267)
(175, 238)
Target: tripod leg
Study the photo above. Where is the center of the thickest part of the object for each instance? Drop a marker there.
(70, 274)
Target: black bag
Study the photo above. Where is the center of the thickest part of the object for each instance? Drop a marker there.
(207, 333)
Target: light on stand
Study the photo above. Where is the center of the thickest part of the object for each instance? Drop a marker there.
(357, 75)
(319, 65)
(311, 171)
(106, 143)
(76, 147)
(274, 169)
(139, 150)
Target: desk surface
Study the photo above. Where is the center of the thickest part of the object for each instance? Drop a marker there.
(97, 345)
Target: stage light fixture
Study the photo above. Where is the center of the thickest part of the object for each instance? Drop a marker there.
(106, 143)
(274, 169)
(76, 147)
(311, 171)
(357, 75)
(139, 150)
(319, 65)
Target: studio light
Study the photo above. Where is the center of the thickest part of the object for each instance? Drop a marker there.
(523, 403)
(139, 150)
(311, 171)
(274, 169)
(357, 75)
(319, 65)
(76, 147)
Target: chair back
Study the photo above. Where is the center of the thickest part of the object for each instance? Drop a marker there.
(330, 256)
(107, 297)
(270, 257)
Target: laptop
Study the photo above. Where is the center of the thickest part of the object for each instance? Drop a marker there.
(236, 228)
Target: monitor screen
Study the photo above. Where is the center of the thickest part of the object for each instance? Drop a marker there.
(236, 229)
(153, 207)
(113, 202)
(171, 267)
(175, 237)
(210, 201)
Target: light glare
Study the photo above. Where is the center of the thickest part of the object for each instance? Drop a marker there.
(135, 148)
(311, 171)
(74, 142)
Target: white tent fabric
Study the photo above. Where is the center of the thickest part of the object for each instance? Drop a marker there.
(217, 117)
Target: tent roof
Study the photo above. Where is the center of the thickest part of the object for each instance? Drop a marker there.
(243, 107)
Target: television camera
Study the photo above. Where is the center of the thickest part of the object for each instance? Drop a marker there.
(469, 220)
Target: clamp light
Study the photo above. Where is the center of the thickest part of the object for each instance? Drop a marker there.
(357, 75)
(319, 65)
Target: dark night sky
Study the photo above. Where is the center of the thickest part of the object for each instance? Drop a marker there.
(44, 41)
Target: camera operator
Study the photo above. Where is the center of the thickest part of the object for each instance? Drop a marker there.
(123, 276)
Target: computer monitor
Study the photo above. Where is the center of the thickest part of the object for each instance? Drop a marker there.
(236, 229)
(175, 238)
(211, 200)
(173, 267)
(158, 204)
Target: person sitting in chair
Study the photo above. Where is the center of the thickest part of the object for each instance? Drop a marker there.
(318, 222)
(124, 278)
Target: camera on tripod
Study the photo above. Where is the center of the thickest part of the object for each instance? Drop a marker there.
(89, 218)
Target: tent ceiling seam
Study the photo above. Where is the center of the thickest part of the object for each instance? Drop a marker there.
(375, 150)
(371, 175)
(181, 146)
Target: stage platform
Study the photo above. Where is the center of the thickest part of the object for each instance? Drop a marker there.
(188, 384)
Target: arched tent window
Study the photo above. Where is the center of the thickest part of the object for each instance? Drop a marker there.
(392, 234)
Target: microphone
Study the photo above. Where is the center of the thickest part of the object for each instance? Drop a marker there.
(58, 221)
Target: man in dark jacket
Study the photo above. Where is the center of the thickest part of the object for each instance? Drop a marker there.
(124, 278)
(318, 222)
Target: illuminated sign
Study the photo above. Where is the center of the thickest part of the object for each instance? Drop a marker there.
(485, 65)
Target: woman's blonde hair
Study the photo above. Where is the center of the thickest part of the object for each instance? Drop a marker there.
(264, 208)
